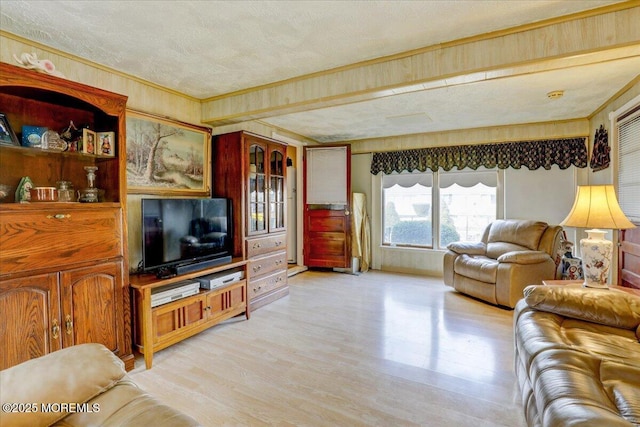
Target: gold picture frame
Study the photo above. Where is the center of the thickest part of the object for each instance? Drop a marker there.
(166, 156)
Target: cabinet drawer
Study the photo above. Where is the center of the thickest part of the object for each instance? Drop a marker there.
(54, 238)
(267, 284)
(263, 245)
(266, 264)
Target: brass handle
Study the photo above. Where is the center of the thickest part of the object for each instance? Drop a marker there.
(257, 268)
(346, 212)
(68, 324)
(59, 216)
(278, 243)
(55, 329)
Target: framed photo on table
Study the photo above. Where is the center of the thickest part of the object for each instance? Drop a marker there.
(7, 135)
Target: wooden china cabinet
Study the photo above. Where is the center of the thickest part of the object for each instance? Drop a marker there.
(251, 170)
(62, 264)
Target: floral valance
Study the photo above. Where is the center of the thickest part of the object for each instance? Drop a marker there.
(532, 154)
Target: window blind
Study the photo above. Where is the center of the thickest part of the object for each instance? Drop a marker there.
(628, 128)
(407, 179)
(469, 179)
(327, 176)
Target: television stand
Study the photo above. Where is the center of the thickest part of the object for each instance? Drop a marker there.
(159, 327)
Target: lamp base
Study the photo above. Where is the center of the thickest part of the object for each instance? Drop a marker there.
(596, 254)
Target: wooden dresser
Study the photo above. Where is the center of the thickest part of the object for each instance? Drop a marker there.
(63, 265)
(251, 170)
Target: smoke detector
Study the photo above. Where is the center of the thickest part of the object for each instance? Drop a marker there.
(555, 94)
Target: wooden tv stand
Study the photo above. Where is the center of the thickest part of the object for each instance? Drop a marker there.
(159, 327)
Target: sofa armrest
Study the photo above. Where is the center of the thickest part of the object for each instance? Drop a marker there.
(524, 257)
(468, 248)
(603, 306)
(74, 374)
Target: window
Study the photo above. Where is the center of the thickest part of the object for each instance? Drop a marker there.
(628, 136)
(406, 200)
(420, 209)
(468, 203)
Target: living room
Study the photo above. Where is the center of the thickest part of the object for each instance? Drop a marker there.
(541, 194)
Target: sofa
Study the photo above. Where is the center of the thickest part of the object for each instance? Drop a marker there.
(81, 385)
(511, 255)
(577, 356)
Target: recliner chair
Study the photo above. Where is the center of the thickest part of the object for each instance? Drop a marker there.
(512, 255)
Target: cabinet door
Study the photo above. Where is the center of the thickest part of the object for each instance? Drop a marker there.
(171, 320)
(31, 318)
(256, 187)
(277, 191)
(92, 306)
(232, 299)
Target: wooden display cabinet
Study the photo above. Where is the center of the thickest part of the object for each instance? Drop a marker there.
(62, 265)
(162, 326)
(251, 170)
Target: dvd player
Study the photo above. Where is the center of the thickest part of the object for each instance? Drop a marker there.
(216, 280)
(173, 292)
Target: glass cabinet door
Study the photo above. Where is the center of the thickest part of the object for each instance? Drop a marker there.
(257, 220)
(276, 190)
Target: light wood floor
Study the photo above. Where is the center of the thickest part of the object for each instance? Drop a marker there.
(376, 349)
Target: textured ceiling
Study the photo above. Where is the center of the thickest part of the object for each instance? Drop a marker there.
(208, 48)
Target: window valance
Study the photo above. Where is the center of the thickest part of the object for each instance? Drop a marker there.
(532, 154)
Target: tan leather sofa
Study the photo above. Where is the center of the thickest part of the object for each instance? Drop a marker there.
(577, 356)
(512, 255)
(81, 385)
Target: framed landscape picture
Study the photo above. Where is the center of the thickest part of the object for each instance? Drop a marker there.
(166, 156)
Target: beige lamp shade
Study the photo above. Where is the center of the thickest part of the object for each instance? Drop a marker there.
(596, 206)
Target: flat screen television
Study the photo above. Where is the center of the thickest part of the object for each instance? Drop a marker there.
(181, 235)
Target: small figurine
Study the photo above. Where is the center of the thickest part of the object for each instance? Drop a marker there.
(571, 267)
(22, 192)
(31, 61)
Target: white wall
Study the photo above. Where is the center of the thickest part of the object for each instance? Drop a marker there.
(542, 195)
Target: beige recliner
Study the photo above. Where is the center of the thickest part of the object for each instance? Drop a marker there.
(512, 255)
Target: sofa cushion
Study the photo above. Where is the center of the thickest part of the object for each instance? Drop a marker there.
(520, 232)
(577, 389)
(126, 405)
(604, 306)
(496, 249)
(75, 374)
(477, 267)
(540, 331)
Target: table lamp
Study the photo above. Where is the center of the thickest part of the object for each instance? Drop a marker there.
(595, 207)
